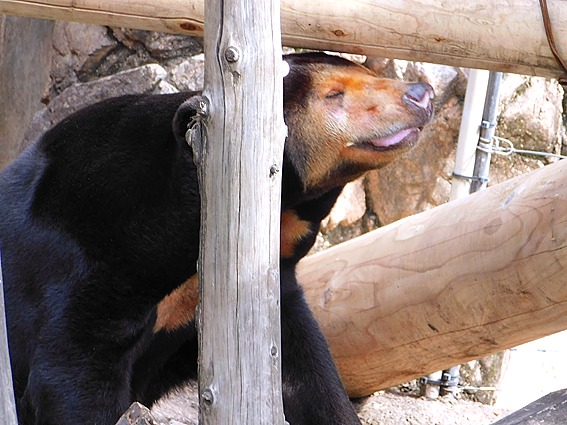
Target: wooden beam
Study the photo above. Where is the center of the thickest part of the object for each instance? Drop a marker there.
(7, 400)
(240, 185)
(452, 284)
(550, 409)
(466, 33)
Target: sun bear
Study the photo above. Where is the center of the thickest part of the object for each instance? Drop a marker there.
(99, 234)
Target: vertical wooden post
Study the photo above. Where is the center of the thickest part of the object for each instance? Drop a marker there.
(240, 175)
(7, 401)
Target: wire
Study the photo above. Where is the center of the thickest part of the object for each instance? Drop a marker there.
(510, 149)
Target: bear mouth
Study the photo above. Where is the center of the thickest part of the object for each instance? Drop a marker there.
(401, 139)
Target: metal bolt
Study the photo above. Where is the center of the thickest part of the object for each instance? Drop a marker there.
(274, 169)
(232, 54)
(208, 396)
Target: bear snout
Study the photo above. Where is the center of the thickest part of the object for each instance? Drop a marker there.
(419, 95)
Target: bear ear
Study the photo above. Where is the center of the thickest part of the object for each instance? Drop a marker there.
(185, 117)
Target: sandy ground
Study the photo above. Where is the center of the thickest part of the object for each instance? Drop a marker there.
(533, 370)
(383, 408)
(387, 408)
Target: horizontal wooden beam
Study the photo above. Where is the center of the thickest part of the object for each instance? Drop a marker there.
(452, 284)
(465, 33)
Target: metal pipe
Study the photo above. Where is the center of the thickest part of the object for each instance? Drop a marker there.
(469, 133)
(487, 129)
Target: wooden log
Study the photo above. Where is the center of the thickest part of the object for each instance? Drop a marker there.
(7, 400)
(240, 185)
(455, 283)
(551, 409)
(469, 34)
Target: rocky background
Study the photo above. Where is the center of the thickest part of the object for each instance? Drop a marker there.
(48, 70)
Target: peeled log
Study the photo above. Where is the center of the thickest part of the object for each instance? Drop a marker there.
(474, 34)
(452, 284)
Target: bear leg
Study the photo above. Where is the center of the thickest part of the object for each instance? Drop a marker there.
(312, 390)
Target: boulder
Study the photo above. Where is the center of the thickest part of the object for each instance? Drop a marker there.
(144, 79)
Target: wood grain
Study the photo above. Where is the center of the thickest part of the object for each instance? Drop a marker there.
(7, 401)
(508, 38)
(239, 338)
(452, 284)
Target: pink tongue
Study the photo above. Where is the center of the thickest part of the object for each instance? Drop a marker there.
(393, 139)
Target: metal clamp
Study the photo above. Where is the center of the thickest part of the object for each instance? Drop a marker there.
(471, 178)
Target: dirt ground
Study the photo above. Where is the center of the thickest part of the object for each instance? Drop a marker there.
(383, 408)
(394, 408)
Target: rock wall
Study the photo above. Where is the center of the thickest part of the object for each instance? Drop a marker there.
(91, 63)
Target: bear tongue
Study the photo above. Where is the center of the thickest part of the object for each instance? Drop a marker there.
(393, 139)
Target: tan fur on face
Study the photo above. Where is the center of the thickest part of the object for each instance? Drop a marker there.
(330, 130)
(178, 308)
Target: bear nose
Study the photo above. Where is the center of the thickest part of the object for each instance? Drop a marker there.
(419, 94)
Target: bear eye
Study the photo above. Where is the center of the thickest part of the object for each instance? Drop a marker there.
(333, 94)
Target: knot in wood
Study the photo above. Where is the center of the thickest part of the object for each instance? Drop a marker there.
(232, 54)
(274, 351)
(208, 396)
(203, 107)
(274, 169)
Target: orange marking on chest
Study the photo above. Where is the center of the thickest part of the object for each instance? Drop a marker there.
(178, 308)
(292, 230)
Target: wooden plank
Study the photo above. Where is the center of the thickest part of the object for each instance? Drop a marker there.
(455, 283)
(239, 163)
(7, 400)
(172, 16)
(549, 410)
(469, 34)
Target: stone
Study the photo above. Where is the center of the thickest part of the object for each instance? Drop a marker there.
(79, 49)
(160, 46)
(387, 68)
(145, 79)
(535, 124)
(349, 208)
(531, 117)
(484, 372)
(137, 414)
(180, 407)
(189, 75)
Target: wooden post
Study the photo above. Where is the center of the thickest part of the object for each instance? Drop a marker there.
(239, 164)
(467, 33)
(7, 400)
(452, 284)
